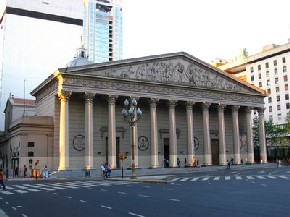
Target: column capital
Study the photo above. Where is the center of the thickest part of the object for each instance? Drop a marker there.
(153, 101)
(261, 111)
(221, 107)
(189, 104)
(249, 109)
(172, 103)
(235, 108)
(112, 99)
(205, 106)
(64, 95)
(89, 96)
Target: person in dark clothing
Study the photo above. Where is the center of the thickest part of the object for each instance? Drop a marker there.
(2, 179)
(16, 172)
(228, 165)
(25, 171)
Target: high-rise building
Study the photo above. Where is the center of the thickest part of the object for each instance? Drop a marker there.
(103, 30)
(36, 38)
(268, 70)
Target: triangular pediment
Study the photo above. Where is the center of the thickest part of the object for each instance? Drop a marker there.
(179, 68)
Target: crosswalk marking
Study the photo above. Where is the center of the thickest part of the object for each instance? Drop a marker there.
(227, 177)
(216, 178)
(238, 177)
(194, 179)
(173, 180)
(184, 179)
(283, 177)
(261, 177)
(272, 177)
(205, 178)
(249, 177)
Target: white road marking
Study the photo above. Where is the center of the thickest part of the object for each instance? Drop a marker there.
(249, 177)
(21, 187)
(262, 171)
(72, 187)
(47, 189)
(21, 191)
(143, 195)
(103, 189)
(205, 178)
(227, 177)
(264, 185)
(238, 177)
(134, 214)
(7, 202)
(9, 188)
(175, 200)
(194, 179)
(107, 207)
(184, 179)
(216, 178)
(261, 177)
(35, 190)
(14, 208)
(173, 180)
(58, 188)
(24, 215)
(272, 177)
(121, 192)
(82, 201)
(283, 177)
(68, 197)
(6, 192)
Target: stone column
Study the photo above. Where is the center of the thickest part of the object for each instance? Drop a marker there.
(236, 134)
(89, 130)
(262, 137)
(154, 134)
(112, 132)
(222, 135)
(206, 135)
(190, 135)
(64, 130)
(172, 134)
(250, 144)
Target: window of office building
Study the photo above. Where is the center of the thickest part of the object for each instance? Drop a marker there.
(260, 76)
(30, 154)
(30, 144)
(267, 65)
(275, 62)
(286, 96)
(284, 68)
(267, 73)
(276, 80)
(252, 78)
(270, 108)
(269, 91)
(252, 69)
(269, 99)
(285, 78)
(278, 107)
(284, 60)
(287, 105)
(276, 71)
(268, 82)
(260, 84)
(279, 117)
(286, 87)
(278, 98)
(277, 89)
(259, 67)
(270, 117)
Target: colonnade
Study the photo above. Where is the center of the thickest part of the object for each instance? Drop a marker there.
(207, 152)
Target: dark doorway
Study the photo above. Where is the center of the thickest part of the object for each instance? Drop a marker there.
(215, 151)
(166, 152)
(117, 151)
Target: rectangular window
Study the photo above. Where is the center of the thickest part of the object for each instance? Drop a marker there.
(260, 76)
(268, 82)
(286, 96)
(269, 99)
(275, 70)
(252, 78)
(267, 65)
(270, 108)
(284, 68)
(269, 91)
(285, 78)
(287, 105)
(286, 87)
(275, 62)
(30, 144)
(260, 84)
(276, 80)
(277, 89)
(252, 69)
(278, 98)
(278, 107)
(267, 73)
(284, 60)
(259, 67)
(271, 117)
(30, 154)
(279, 117)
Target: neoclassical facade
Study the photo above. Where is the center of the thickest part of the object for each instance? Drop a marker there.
(191, 111)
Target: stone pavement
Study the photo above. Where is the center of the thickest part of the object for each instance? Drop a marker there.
(158, 175)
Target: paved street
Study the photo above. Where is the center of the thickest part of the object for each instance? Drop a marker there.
(254, 192)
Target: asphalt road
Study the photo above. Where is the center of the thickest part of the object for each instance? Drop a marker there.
(221, 193)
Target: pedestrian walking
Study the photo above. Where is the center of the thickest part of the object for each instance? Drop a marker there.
(228, 165)
(25, 171)
(2, 179)
(16, 172)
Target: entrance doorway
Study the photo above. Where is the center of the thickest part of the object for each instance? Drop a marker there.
(117, 151)
(215, 151)
(166, 152)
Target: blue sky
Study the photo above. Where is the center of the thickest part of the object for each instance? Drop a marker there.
(207, 29)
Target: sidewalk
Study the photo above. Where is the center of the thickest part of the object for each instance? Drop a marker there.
(158, 175)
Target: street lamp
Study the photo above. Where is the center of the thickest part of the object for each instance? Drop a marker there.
(132, 115)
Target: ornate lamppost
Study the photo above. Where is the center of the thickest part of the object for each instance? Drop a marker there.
(132, 115)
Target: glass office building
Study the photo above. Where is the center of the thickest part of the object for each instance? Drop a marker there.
(103, 30)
